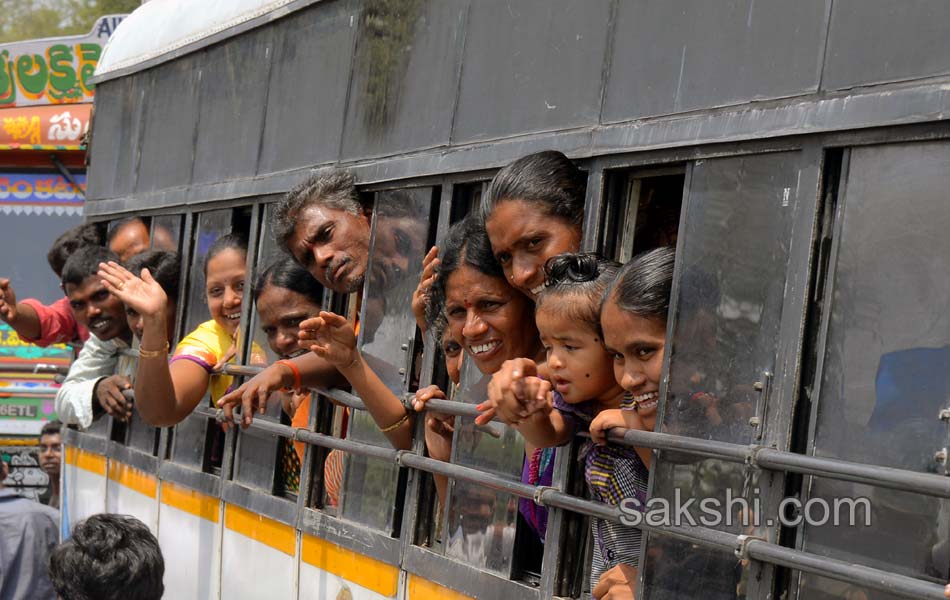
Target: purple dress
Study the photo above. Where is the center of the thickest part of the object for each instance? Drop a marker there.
(538, 470)
(612, 473)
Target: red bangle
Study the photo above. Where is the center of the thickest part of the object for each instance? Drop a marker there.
(293, 368)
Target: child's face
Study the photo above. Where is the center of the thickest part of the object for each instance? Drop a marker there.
(225, 288)
(637, 344)
(580, 367)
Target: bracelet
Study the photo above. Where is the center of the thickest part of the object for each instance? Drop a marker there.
(154, 353)
(356, 359)
(397, 424)
(293, 369)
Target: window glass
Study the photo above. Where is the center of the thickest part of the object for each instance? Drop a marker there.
(165, 235)
(481, 524)
(466, 199)
(884, 378)
(258, 453)
(386, 337)
(189, 441)
(731, 271)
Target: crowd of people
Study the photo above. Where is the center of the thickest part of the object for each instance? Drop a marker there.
(571, 342)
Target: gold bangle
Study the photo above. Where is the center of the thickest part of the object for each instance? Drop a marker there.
(397, 424)
(154, 353)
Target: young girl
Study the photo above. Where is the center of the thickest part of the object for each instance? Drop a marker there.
(633, 319)
(578, 384)
(167, 391)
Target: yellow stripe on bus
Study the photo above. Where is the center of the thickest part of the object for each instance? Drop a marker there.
(423, 589)
(134, 479)
(190, 501)
(260, 529)
(34, 441)
(351, 566)
(86, 461)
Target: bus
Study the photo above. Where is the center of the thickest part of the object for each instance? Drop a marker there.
(798, 155)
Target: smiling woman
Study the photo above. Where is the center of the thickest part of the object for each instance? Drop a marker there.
(491, 319)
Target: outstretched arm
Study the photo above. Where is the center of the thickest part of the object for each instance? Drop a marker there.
(21, 317)
(331, 337)
(253, 394)
(165, 394)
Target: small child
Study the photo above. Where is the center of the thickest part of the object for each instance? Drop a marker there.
(578, 384)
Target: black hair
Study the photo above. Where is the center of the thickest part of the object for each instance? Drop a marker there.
(85, 263)
(547, 178)
(286, 273)
(108, 557)
(231, 241)
(87, 234)
(164, 266)
(334, 189)
(53, 427)
(465, 244)
(581, 279)
(120, 224)
(643, 285)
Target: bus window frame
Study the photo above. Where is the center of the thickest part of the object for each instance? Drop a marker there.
(819, 321)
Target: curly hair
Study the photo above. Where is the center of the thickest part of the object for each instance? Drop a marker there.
(108, 557)
(575, 286)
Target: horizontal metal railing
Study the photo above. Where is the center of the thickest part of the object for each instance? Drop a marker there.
(751, 455)
(755, 456)
(36, 368)
(743, 546)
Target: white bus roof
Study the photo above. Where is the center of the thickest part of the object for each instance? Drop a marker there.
(160, 30)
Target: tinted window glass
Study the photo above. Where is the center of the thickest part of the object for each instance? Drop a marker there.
(731, 289)
(884, 378)
(481, 524)
(190, 435)
(387, 333)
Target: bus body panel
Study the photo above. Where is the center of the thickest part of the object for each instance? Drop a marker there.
(191, 544)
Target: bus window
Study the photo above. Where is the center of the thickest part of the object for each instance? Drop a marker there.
(256, 454)
(646, 215)
(400, 239)
(165, 235)
(723, 340)
(466, 198)
(197, 441)
(480, 524)
(128, 236)
(883, 379)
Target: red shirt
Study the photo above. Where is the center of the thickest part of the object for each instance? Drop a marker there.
(57, 323)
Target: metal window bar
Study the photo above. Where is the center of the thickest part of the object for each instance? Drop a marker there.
(37, 368)
(743, 546)
(761, 457)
